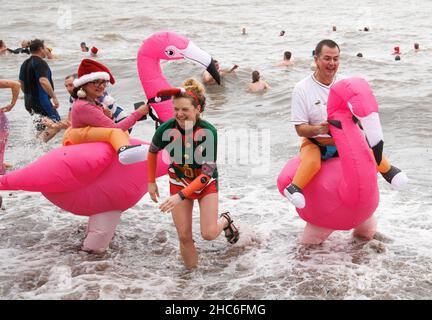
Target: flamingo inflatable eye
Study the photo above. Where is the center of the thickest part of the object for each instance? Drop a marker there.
(170, 52)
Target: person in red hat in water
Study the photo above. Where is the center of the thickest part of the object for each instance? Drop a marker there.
(94, 51)
(397, 51)
(90, 122)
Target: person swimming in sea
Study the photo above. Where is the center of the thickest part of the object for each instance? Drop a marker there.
(208, 79)
(287, 62)
(257, 84)
(84, 47)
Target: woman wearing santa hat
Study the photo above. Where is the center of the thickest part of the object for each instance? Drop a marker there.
(89, 122)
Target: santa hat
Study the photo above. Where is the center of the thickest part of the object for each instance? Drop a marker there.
(90, 70)
(94, 50)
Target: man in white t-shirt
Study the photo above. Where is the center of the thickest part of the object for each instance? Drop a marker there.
(309, 115)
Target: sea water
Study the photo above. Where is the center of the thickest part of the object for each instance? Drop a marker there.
(39, 243)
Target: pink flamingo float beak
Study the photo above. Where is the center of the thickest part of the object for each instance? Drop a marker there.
(213, 71)
(372, 129)
(371, 124)
(195, 54)
(199, 56)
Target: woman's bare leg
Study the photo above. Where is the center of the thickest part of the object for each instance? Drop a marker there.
(182, 217)
(210, 223)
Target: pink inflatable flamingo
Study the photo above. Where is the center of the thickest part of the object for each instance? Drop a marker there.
(87, 179)
(167, 46)
(84, 179)
(344, 194)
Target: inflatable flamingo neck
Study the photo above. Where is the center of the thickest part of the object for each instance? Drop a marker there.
(167, 46)
(150, 64)
(152, 75)
(152, 80)
(357, 163)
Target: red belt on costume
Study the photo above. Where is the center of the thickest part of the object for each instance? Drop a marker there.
(182, 176)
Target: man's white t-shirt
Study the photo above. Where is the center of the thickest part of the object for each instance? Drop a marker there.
(309, 101)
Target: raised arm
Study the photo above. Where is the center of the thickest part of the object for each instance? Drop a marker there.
(93, 117)
(234, 67)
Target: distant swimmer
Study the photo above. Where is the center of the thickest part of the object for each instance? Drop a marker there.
(208, 79)
(257, 84)
(396, 51)
(287, 62)
(49, 53)
(334, 28)
(313, 65)
(94, 51)
(360, 55)
(282, 33)
(25, 44)
(84, 47)
(244, 31)
(397, 58)
(25, 48)
(4, 49)
(416, 47)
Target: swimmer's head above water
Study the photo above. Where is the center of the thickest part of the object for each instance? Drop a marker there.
(84, 47)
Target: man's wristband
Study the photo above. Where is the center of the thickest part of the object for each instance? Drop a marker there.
(181, 194)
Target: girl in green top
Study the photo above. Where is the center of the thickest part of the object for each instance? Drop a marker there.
(192, 145)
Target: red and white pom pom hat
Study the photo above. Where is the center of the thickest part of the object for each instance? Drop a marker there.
(90, 70)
